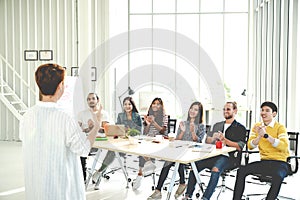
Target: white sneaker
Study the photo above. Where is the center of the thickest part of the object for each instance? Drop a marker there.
(137, 182)
(149, 168)
(96, 176)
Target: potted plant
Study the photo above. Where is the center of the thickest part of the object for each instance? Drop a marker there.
(131, 132)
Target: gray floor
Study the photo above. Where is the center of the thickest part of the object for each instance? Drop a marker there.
(12, 183)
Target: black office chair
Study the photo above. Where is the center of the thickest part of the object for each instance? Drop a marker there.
(207, 128)
(291, 160)
(171, 125)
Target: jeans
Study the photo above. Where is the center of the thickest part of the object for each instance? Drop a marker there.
(277, 169)
(165, 171)
(220, 162)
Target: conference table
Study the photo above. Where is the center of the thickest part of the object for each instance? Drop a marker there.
(177, 151)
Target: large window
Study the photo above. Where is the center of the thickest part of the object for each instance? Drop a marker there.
(274, 68)
(169, 44)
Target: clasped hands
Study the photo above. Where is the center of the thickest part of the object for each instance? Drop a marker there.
(149, 119)
(95, 122)
(192, 129)
(261, 130)
(219, 136)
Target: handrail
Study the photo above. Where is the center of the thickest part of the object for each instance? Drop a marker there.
(1, 79)
(15, 73)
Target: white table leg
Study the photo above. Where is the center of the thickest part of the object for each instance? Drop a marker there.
(172, 180)
(122, 167)
(93, 168)
(196, 173)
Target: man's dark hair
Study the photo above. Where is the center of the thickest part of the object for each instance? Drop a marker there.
(269, 104)
(48, 77)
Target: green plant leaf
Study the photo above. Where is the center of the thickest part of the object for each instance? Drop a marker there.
(133, 132)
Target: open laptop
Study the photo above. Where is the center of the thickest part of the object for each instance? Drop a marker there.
(113, 130)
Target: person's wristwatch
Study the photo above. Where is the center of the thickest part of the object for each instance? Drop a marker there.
(266, 135)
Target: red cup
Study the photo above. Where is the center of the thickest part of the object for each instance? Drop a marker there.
(219, 144)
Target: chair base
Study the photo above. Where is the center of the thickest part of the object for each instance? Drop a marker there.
(222, 189)
(285, 197)
(278, 198)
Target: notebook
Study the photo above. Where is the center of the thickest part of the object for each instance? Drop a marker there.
(113, 130)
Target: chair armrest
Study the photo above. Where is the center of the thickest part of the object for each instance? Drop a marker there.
(246, 153)
(289, 159)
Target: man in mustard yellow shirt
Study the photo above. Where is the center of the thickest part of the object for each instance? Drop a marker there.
(272, 141)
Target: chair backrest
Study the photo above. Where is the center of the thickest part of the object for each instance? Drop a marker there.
(207, 128)
(293, 138)
(246, 150)
(171, 125)
(293, 159)
(237, 162)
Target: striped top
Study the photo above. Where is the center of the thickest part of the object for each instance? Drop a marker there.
(153, 131)
(52, 142)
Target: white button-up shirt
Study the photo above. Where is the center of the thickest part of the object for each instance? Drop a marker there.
(52, 143)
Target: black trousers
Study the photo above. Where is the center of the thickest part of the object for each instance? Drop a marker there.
(83, 165)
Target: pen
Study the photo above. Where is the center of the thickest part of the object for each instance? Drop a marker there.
(178, 146)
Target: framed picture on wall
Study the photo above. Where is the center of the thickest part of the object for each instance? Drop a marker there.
(46, 55)
(31, 55)
(74, 71)
(93, 74)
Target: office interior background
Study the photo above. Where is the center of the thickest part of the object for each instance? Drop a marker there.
(206, 50)
(180, 50)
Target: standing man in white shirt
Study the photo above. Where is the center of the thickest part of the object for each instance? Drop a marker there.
(52, 142)
(85, 120)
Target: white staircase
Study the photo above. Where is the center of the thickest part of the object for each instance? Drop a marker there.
(12, 100)
(8, 79)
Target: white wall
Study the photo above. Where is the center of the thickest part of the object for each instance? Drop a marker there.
(45, 25)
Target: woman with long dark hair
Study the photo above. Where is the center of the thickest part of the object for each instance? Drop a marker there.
(155, 123)
(192, 129)
(130, 116)
(131, 119)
